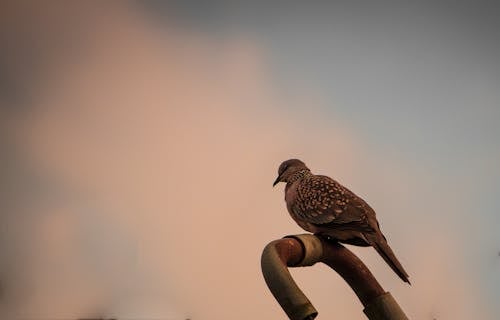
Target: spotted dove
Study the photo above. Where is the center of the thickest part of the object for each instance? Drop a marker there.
(324, 207)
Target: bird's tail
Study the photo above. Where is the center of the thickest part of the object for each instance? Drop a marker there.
(380, 244)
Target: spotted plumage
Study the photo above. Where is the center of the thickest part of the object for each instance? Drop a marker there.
(320, 200)
(323, 206)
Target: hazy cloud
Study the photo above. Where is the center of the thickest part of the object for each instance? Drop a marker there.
(140, 176)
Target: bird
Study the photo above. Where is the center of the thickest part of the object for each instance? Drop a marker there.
(322, 206)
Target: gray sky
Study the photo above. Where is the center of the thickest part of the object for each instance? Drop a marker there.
(109, 113)
(418, 79)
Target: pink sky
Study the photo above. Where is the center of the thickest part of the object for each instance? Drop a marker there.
(166, 144)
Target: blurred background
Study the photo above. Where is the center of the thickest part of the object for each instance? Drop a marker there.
(139, 142)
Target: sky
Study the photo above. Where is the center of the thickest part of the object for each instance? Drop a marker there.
(139, 142)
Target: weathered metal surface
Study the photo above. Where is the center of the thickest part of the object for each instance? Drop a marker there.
(384, 307)
(275, 258)
(306, 250)
(312, 249)
(352, 270)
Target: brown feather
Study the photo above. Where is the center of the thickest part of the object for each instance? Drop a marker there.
(321, 205)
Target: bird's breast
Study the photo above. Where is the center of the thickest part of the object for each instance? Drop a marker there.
(291, 198)
(290, 195)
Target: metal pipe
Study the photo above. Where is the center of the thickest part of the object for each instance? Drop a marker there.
(306, 250)
(352, 270)
(276, 256)
(384, 307)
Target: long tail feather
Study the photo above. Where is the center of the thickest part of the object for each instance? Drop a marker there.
(380, 244)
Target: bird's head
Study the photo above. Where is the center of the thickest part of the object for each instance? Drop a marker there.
(288, 169)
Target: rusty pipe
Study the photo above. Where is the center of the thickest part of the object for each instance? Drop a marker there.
(306, 250)
(276, 256)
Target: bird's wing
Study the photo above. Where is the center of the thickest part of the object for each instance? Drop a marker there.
(323, 201)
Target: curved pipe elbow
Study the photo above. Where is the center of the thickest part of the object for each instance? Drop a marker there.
(276, 256)
(306, 250)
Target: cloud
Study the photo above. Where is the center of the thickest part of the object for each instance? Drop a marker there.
(154, 149)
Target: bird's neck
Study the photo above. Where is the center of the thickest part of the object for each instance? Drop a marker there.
(299, 175)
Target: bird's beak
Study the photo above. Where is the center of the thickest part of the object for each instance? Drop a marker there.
(278, 179)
